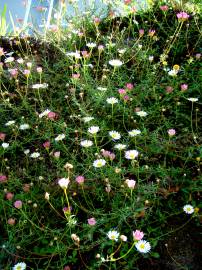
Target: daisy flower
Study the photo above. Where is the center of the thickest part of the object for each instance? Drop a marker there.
(93, 129)
(98, 163)
(113, 235)
(86, 143)
(192, 99)
(91, 45)
(20, 266)
(44, 113)
(112, 100)
(188, 209)
(134, 132)
(24, 126)
(120, 146)
(5, 145)
(143, 246)
(115, 135)
(87, 119)
(131, 154)
(10, 123)
(142, 113)
(102, 88)
(60, 137)
(115, 63)
(35, 155)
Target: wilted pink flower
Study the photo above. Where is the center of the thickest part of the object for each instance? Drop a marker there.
(133, 9)
(56, 154)
(122, 91)
(13, 72)
(80, 179)
(137, 109)
(164, 8)
(91, 221)
(75, 76)
(3, 178)
(97, 20)
(67, 210)
(46, 144)
(171, 132)
(2, 136)
(138, 235)
(85, 54)
(127, 2)
(184, 87)
(141, 32)
(198, 55)
(11, 221)
(182, 16)
(26, 72)
(130, 183)
(18, 204)
(80, 34)
(9, 196)
(52, 115)
(108, 154)
(129, 86)
(126, 98)
(100, 47)
(169, 89)
(54, 28)
(26, 187)
(151, 32)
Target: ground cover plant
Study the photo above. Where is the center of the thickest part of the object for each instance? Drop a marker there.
(101, 136)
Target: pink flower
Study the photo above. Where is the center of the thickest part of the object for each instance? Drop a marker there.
(97, 20)
(3, 178)
(122, 91)
(46, 144)
(171, 132)
(141, 32)
(169, 89)
(126, 98)
(133, 9)
(164, 8)
(127, 2)
(80, 179)
(138, 235)
(9, 196)
(18, 204)
(52, 115)
(67, 210)
(26, 72)
(91, 221)
(39, 69)
(184, 87)
(100, 48)
(85, 54)
(130, 183)
(108, 154)
(182, 16)
(76, 76)
(129, 86)
(11, 221)
(198, 55)
(2, 136)
(1, 51)
(13, 72)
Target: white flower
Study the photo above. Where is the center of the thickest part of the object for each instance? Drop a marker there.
(35, 155)
(10, 123)
(112, 100)
(87, 119)
(20, 61)
(98, 163)
(141, 113)
(24, 126)
(123, 238)
(5, 145)
(115, 63)
(47, 196)
(113, 235)
(9, 59)
(74, 54)
(63, 183)
(120, 146)
(122, 51)
(143, 246)
(60, 137)
(26, 151)
(102, 88)
(115, 135)
(93, 129)
(40, 85)
(91, 45)
(134, 132)
(192, 99)
(44, 113)
(172, 72)
(86, 143)
(20, 266)
(131, 154)
(188, 209)
(151, 58)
